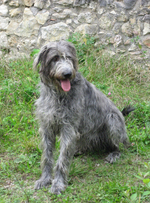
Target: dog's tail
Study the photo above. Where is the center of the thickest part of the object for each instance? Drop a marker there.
(127, 110)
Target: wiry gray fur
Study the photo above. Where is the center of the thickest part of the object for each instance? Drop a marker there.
(84, 118)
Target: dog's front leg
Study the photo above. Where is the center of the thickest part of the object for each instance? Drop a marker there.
(67, 150)
(48, 144)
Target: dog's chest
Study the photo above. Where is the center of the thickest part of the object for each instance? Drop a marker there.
(56, 110)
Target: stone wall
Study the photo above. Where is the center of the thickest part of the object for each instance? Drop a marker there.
(121, 26)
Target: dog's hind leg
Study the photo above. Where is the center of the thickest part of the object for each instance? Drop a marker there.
(67, 150)
(116, 133)
(48, 144)
(112, 157)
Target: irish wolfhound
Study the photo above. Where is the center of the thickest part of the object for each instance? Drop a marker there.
(75, 110)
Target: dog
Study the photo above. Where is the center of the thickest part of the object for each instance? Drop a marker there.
(75, 110)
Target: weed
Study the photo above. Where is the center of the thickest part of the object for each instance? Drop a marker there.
(83, 45)
(34, 52)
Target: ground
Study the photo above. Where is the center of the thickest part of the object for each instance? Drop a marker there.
(90, 179)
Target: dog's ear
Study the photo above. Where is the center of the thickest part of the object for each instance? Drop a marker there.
(38, 58)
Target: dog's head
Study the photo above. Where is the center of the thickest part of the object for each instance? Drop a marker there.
(58, 64)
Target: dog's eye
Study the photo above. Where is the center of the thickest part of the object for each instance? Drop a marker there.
(55, 59)
(69, 57)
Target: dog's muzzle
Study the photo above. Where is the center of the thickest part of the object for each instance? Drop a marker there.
(65, 72)
(65, 83)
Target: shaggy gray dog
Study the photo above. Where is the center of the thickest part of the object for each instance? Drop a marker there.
(75, 110)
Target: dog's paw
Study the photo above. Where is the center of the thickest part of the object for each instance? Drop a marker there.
(57, 188)
(112, 157)
(42, 182)
(78, 153)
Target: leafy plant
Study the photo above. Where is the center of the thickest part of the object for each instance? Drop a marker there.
(34, 52)
(145, 178)
(83, 45)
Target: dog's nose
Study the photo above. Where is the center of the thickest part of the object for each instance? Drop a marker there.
(67, 74)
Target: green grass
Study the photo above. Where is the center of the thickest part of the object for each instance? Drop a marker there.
(91, 179)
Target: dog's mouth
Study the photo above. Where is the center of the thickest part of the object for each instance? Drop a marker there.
(65, 85)
(64, 80)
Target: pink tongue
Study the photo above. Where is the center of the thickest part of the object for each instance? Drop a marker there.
(65, 84)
